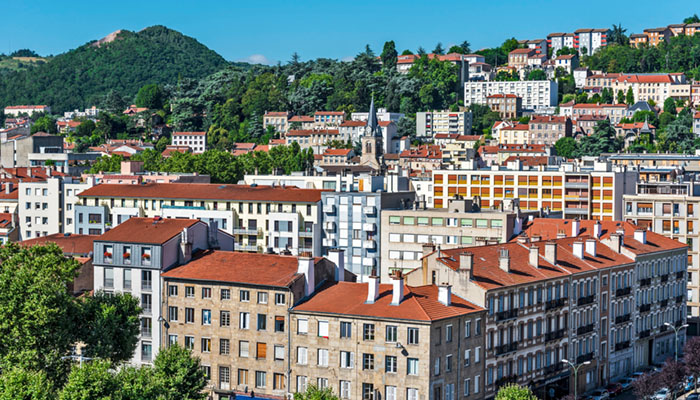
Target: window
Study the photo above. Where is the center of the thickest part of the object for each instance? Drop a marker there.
(207, 371)
(262, 322)
(189, 342)
(206, 345)
(344, 389)
(109, 278)
(301, 383)
(261, 351)
(322, 357)
(224, 318)
(367, 361)
(411, 394)
(225, 294)
(278, 382)
(437, 366)
(412, 335)
(244, 320)
(146, 256)
(477, 327)
(172, 314)
(448, 333)
(347, 359)
(468, 328)
(260, 378)
(224, 347)
(391, 333)
(302, 355)
(323, 329)
(390, 393)
(368, 391)
(189, 291)
(476, 383)
(368, 332)
(302, 326)
(126, 256)
(206, 317)
(412, 366)
(243, 348)
(245, 295)
(279, 352)
(345, 330)
(206, 293)
(390, 364)
(280, 299)
(262, 297)
(172, 290)
(279, 323)
(242, 376)
(448, 363)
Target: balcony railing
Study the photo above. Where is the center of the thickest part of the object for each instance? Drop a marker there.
(505, 315)
(554, 368)
(622, 345)
(506, 380)
(644, 308)
(554, 335)
(506, 348)
(306, 234)
(622, 318)
(582, 301)
(645, 282)
(245, 231)
(554, 304)
(241, 247)
(584, 357)
(623, 291)
(582, 330)
(146, 285)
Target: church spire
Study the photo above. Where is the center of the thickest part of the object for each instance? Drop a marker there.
(372, 123)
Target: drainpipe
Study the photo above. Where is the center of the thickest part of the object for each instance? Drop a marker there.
(459, 357)
(289, 346)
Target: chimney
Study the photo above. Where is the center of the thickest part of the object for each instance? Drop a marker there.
(185, 246)
(306, 267)
(591, 247)
(550, 252)
(372, 288)
(535, 256)
(428, 248)
(578, 249)
(535, 238)
(445, 294)
(616, 242)
(523, 238)
(466, 263)
(504, 260)
(575, 227)
(640, 235)
(397, 288)
(561, 234)
(597, 229)
(337, 257)
(8, 187)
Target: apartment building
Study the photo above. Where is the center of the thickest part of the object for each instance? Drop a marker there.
(587, 41)
(576, 192)
(460, 224)
(535, 94)
(15, 151)
(328, 119)
(382, 115)
(669, 161)
(131, 257)
(431, 123)
(508, 106)
(518, 58)
(515, 133)
(658, 35)
(544, 129)
(656, 87)
(197, 141)
(41, 208)
(567, 62)
(388, 341)
(16, 111)
(278, 120)
(497, 155)
(352, 221)
(614, 112)
(315, 139)
(559, 40)
(260, 217)
(231, 310)
(638, 39)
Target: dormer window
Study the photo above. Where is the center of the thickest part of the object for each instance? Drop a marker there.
(108, 254)
(126, 256)
(146, 256)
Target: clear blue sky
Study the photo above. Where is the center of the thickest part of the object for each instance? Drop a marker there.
(271, 30)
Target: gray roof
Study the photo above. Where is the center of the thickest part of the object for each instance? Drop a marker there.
(640, 106)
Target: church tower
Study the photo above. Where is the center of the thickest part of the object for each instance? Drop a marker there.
(372, 141)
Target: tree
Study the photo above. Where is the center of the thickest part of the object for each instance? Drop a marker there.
(537, 75)
(85, 129)
(509, 45)
(617, 35)
(645, 386)
(20, 384)
(313, 392)
(566, 51)
(670, 106)
(603, 140)
(421, 51)
(113, 102)
(406, 52)
(438, 49)
(90, 381)
(566, 147)
(692, 20)
(389, 55)
(44, 124)
(620, 97)
(672, 373)
(161, 144)
(138, 383)
(110, 325)
(515, 392)
(691, 357)
(464, 48)
(150, 96)
(630, 96)
(180, 374)
(606, 96)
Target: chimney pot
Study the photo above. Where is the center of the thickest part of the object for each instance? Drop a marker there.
(397, 288)
(466, 263)
(640, 235)
(578, 249)
(504, 260)
(591, 247)
(372, 289)
(575, 227)
(535, 256)
(337, 257)
(306, 267)
(550, 252)
(597, 229)
(445, 294)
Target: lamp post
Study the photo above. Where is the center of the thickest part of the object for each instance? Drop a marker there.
(675, 331)
(575, 368)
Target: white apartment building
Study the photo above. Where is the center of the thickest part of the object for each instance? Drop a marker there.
(70, 198)
(40, 208)
(587, 41)
(382, 115)
(558, 41)
(431, 123)
(197, 141)
(535, 94)
(29, 110)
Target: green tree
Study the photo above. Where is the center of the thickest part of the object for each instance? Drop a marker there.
(509, 45)
(90, 381)
(464, 48)
(110, 325)
(150, 96)
(630, 96)
(389, 55)
(86, 128)
(20, 384)
(138, 383)
(617, 35)
(620, 97)
(406, 52)
(670, 106)
(313, 392)
(568, 97)
(515, 392)
(566, 51)
(44, 124)
(438, 49)
(692, 20)
(161, 144)
(504, 75)
(566, 147)
(606, 96)
(180, 374)
(537, 75)
(113, 102)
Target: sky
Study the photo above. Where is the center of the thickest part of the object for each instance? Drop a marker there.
(270, 31)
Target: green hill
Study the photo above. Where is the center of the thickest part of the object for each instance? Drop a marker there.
(123, 61)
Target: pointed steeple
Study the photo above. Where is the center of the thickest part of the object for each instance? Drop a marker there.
(645, 127)
(372, 128)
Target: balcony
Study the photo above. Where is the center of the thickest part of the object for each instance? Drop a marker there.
(680, 299)
(146, 285)
(644, 282)
(369, 244)
(329, 225)
(663, 303)
(554, 335)
(554, 304)
(664, 278)
(329, 209)
(306, 234)
(576, 210)
(576, 185)
(506, 348)
(168, 207)
(369, 210)
(306, 250)
(582, 301)
(584, 357)
(553, 369)
(644, 308)
(582, 330)
(679, 275)
(506, 315)
(506, 380)
(244, 231)
(622, 345)
(241, 247)
(623, 291)
(644, 334)
(369, 227)
(330, 242)
(620, 319)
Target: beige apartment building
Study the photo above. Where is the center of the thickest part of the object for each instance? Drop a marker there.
(388, 341)
(431, 123)
(547, 129)
(278, 120)
(508, 106)
(231, 310)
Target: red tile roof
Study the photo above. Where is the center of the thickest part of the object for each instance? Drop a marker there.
(233, 267)
(329, 113)
(501, 95)
(71, 244)
(419, 304)
(424, 151)
(38, 107)
(635, 78)
(522, 51)
(353, 123)
(301, 118)
(312, 132)
(189, 133)
(528, 160)
(469, 138)
(517, 127)
(598, 105)
(385, 123)
(6, 220)
(175, 149)
(205, 191)
(30, 172)
(634, 125)
(146, 230)
(337, 152)
(276, 113)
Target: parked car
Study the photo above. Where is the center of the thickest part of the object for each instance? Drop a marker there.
(626, 383)
(599, 394)
(637, 375)
(614, 389)
(693, 396)
(662, 394)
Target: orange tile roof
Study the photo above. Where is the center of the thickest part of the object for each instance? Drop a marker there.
(146, 230)
(233, 267)
(543, 119)
(420, 303)
(6, 220)
(469, 138)
(311, 132)
(329, 113)
(175, 149)
(301, 118)
(636, 78)
(276, 113)
(25, 107)
(528, 160)
(71, 244)
(424, 151)
(189, 133)
(599, 105)
(337, 152)
(634, 125)
(354, 123)
(30, 172)
(205, 191)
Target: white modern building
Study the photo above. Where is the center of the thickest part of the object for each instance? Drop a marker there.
(431, 123)
(197, 141)
(535, 94)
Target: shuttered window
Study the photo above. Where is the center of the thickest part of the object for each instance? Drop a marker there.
(261, 350)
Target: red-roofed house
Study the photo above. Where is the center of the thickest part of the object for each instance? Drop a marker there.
(428, 157)
(515, 134)
(615, 112)
(132, 110)
(696, 123)
(336, 156)
(657, 87)
(30, 110)
(547, 130)
(67, 126)
(197, 141)
(518, 58)
(568, 62)
(278, 120)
